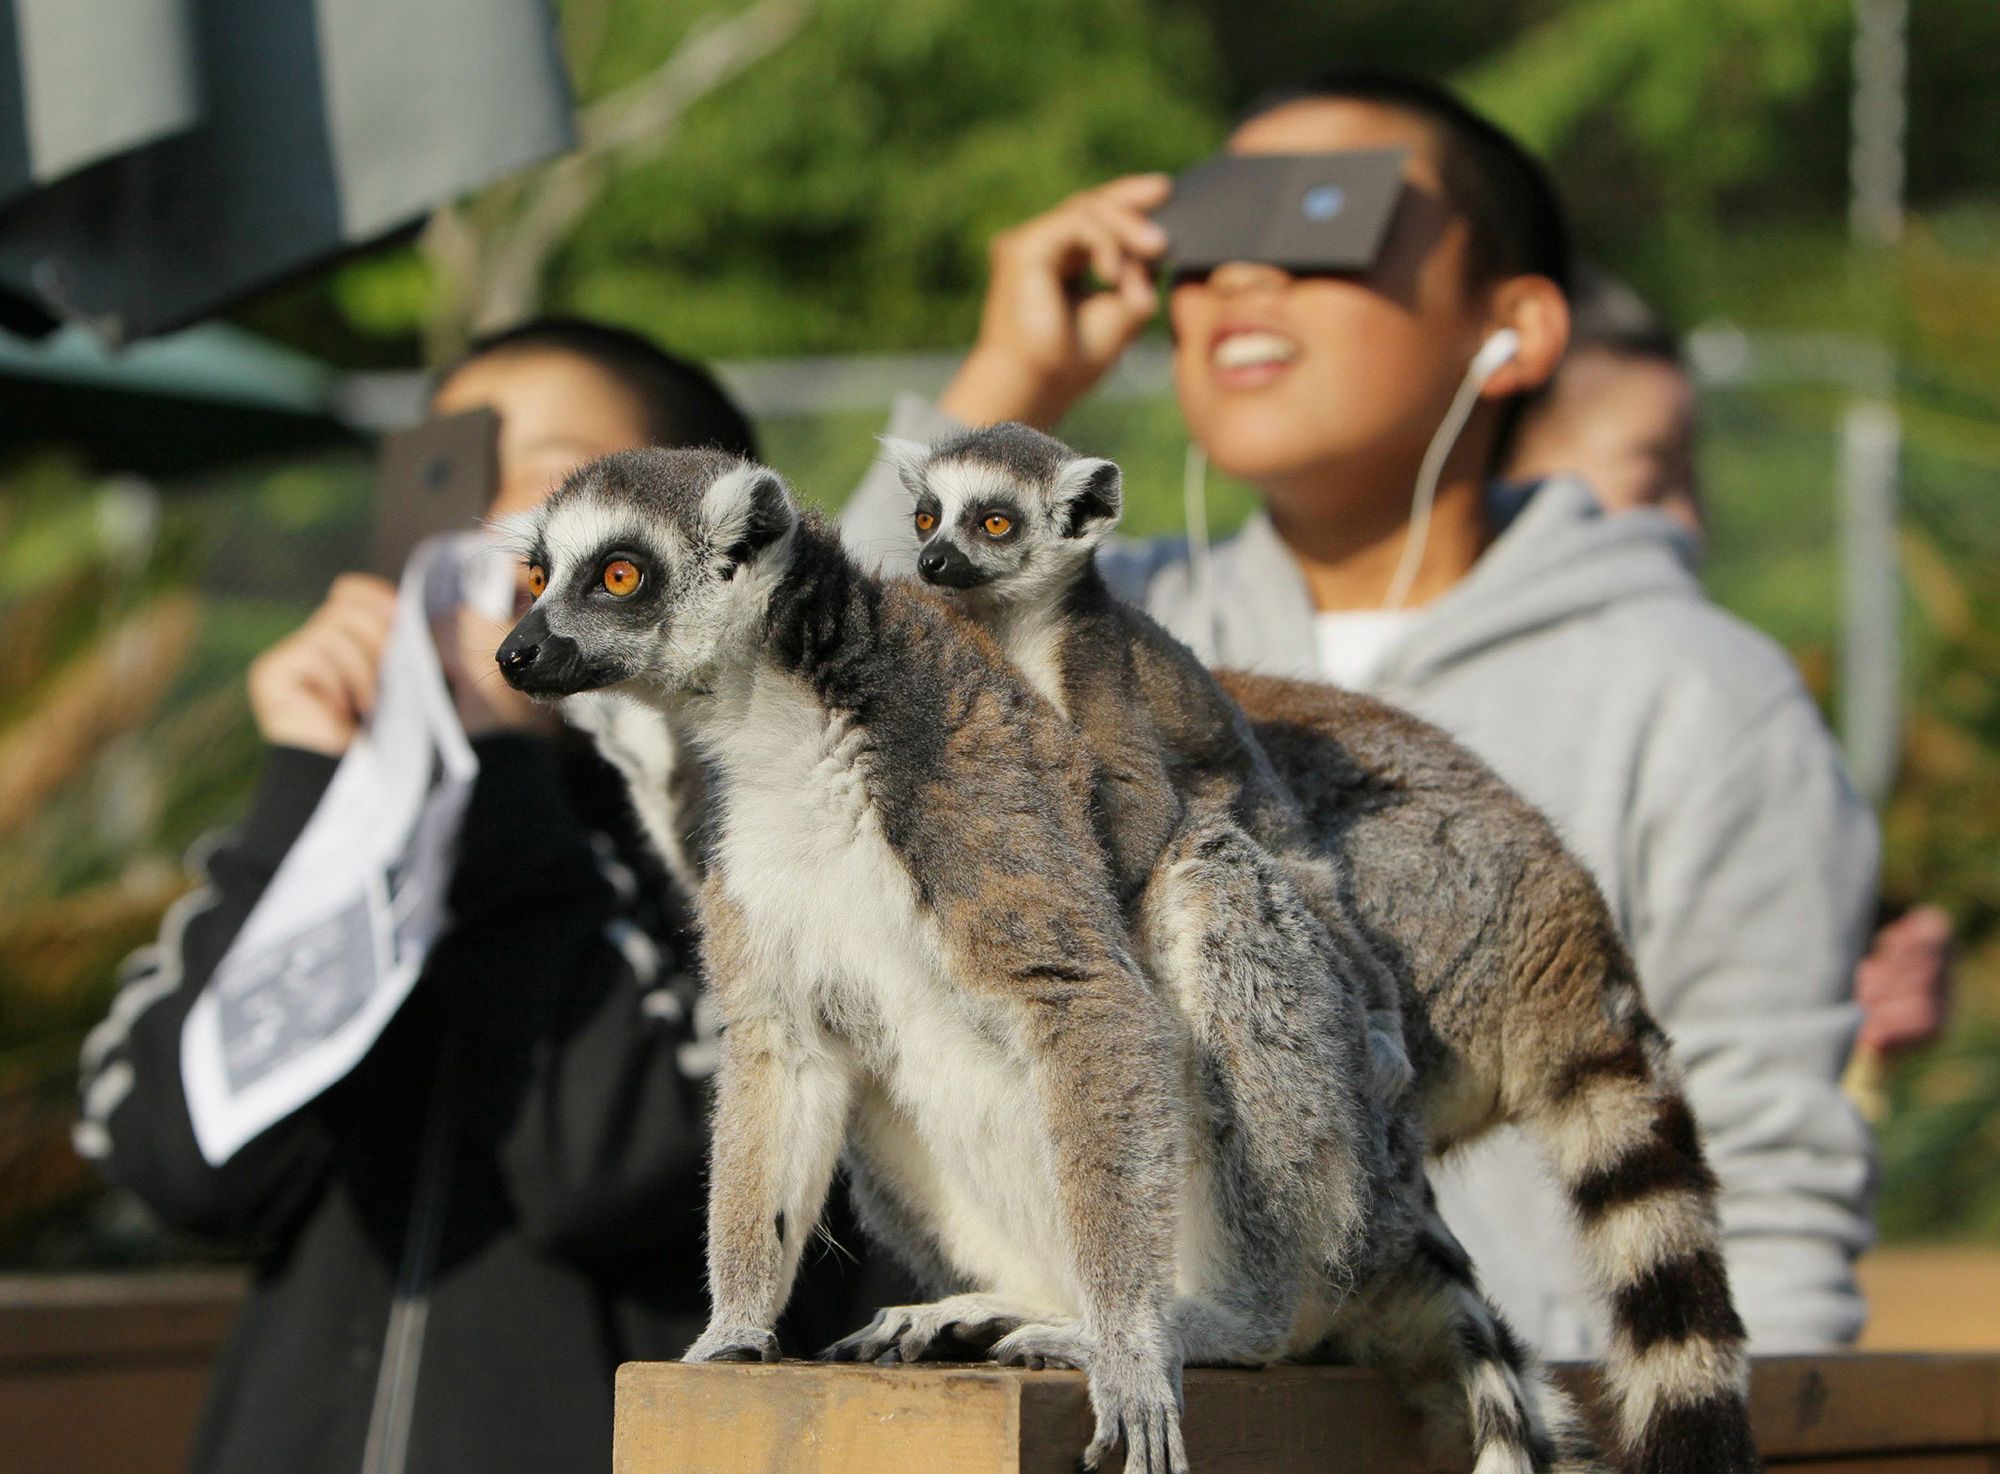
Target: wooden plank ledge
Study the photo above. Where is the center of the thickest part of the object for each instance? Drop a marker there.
(106, 1372)
(1851, 1414)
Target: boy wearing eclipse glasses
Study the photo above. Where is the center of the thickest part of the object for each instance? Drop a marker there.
(1361, 290)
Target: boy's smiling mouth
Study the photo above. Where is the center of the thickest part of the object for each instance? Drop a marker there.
(1249, 357)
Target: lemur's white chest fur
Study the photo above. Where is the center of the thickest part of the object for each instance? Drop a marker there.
(945, 1110)
(1032, 640)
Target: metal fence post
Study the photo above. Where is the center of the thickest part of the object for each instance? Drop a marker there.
(1870, 648)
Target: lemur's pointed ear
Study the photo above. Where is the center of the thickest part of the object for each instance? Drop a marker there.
(746, 511)
(1089, 495)
(908, 457)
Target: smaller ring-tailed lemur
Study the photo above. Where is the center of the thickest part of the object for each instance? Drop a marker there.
(1520, 1001)
(1185, 750)
(914, 938)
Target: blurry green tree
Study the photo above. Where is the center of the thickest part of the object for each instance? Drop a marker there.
(839, 193)
(833, 189)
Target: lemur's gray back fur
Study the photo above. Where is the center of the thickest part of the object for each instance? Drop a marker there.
(1008, 517)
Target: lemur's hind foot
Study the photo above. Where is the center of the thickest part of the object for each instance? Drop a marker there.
(959, 1328)
(1135, 1392)
(739, 1343)
(1043, 1345)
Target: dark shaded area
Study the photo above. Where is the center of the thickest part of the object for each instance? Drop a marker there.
(154, 434)
(158, 237)
(15, 163)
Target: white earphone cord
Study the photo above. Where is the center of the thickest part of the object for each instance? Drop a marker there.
(1418, 532)
(1201, 566)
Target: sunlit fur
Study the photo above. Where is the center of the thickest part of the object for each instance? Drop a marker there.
(1520, 1003)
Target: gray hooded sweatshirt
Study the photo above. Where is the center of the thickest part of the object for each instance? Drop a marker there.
(1683, 760)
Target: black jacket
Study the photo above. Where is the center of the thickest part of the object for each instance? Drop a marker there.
(462, 1239)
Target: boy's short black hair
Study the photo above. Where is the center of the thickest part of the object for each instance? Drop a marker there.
(1507, 198)
(681, 402)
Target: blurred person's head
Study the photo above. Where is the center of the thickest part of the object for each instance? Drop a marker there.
(1358, 370)
(1620, 411)
(567, 391)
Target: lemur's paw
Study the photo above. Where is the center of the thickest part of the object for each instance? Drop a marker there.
(1043, 1345)
(1139, 1407)
(733, 1343)
(960, 1328)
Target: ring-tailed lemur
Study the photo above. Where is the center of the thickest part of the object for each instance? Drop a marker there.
(1527, 1009)
(1185, 748)
(976, 1032)
(912, 934)
(1520, 1001)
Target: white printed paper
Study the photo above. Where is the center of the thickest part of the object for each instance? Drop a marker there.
(336, 941)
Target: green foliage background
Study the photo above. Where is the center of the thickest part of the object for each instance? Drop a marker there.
(838, 198)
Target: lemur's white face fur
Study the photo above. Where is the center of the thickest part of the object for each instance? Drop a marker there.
(1006, 515)
(649, 567)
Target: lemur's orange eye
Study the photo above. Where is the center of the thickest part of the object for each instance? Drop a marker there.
(538, 579)
(621, 577)
(997, 525)
(926, 521)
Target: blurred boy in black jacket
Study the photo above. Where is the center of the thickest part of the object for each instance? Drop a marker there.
(461, 1239)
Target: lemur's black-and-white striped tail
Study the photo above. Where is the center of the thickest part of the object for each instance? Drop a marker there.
(1623, 1142)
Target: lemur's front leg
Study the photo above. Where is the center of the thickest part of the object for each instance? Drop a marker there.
(1103, 1057)
(781, 1113)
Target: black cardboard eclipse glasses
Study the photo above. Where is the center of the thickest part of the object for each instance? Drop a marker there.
(1304, 212)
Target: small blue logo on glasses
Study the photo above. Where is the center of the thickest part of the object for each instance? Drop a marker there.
(1323, 201)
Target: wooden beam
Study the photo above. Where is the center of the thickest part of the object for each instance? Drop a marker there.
(1845, 1414)
(108, 1371)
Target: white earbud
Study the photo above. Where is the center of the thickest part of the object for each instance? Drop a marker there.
(1495, 351)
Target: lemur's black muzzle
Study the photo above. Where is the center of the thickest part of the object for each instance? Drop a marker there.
(536, 661)
(943, 563)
